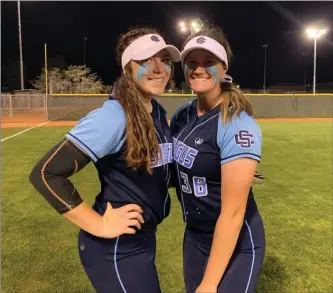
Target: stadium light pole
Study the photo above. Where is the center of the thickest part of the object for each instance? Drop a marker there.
(265, 46)
(20, 44)
(315, 33)
(84, 50)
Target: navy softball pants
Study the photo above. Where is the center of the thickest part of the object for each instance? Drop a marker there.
(122, 265)
(243, 270)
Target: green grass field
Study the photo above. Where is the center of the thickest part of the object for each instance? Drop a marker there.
(39, 247)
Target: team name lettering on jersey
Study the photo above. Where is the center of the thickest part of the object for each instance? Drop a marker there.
(183, 154)
(166, 156)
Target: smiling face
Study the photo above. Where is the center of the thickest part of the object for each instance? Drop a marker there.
(152, 75)
(203, 71)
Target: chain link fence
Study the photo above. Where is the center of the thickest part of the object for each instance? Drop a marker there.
(23, 107)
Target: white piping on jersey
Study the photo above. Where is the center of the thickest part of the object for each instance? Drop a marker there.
(181, 193)
(253, 256)
(167, 165)
(200, 125)
(165, 201)
(167, 195)
(116, 267)
(159, 136)
(182, 108)
(161, 142)
(159, 114)
(178, 175)
(167, 180)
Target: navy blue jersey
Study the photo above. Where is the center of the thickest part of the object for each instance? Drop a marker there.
(200, 146)
(102, 135)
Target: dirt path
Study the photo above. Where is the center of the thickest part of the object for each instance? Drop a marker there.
(30, 124)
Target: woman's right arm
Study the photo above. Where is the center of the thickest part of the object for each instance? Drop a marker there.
(102, 132)
(50, 178)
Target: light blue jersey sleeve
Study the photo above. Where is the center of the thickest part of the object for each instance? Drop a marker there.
(101, 132)
(239, 138)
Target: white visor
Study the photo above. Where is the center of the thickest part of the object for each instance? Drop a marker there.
(205, 43)
(146, 47)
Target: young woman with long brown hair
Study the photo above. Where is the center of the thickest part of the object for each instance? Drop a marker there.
(128, 140)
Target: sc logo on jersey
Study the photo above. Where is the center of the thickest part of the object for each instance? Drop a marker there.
(244, 139)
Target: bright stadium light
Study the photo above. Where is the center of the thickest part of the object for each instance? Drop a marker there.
(194, 26)
(315, 33)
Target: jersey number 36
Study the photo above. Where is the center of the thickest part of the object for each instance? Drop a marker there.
(199, 185)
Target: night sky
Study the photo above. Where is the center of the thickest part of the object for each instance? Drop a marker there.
(248, 26)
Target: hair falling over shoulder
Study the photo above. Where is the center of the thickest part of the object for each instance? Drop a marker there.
(141, 139)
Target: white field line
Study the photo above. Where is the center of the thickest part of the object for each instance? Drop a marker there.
(41, 124)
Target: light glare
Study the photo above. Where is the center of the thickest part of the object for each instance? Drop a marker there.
(194, 24)
(315, 33)
(321, 32)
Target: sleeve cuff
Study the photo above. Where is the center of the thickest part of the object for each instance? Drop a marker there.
(238, 156)
(83, 146)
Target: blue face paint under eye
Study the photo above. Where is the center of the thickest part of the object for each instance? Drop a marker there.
(187, 68)
(190, 66)
(143, 69)
(167, 67)
(212, 70)
(141, 72)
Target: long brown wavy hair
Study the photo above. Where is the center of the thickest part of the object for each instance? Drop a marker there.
(141, 139)
(232, 96)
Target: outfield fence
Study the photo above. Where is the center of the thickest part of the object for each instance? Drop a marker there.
(23, 107)
(39, 107)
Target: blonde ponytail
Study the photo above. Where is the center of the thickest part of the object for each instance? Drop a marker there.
(234, 102)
